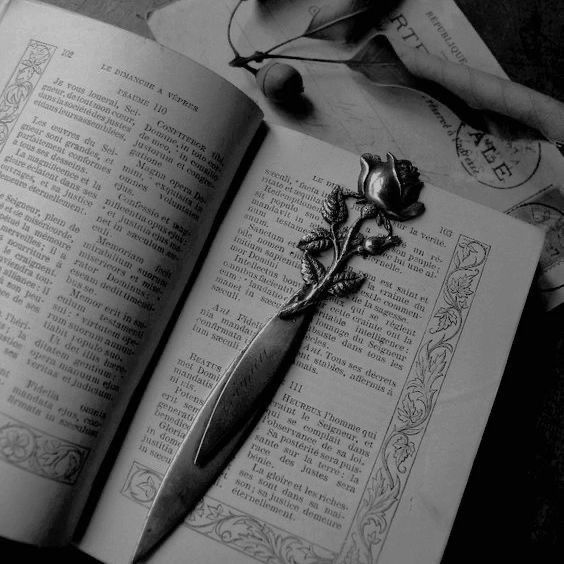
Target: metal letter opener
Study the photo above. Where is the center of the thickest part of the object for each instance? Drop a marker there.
(386, 190)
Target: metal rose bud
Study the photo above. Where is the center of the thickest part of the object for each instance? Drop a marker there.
(392, 185)
(373, 245)
(378, 244)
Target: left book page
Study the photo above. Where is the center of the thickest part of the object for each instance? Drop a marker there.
(115, 155)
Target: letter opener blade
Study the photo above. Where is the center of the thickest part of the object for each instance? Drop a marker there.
(231, 409)
(385, 189)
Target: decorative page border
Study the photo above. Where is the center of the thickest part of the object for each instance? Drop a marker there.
(40, 453)
(23, 81)
(229, 526)
(389, 475)
(415, 405)
(255, 538)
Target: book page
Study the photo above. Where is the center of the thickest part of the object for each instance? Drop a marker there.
(364, 451)
(344, 107)
(115, 155)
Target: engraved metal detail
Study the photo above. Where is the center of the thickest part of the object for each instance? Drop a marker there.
(386, 190)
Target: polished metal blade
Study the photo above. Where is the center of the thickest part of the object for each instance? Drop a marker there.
(249, 378)
(224, 420)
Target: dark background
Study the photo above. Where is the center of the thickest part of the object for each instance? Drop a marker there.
(513, 506)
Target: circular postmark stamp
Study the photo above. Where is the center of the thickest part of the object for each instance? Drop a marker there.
(498, 163)
(550, 218)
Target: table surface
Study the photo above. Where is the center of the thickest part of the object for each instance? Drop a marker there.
(513, 506)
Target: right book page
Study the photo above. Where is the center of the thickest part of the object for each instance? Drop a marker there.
(365, 450)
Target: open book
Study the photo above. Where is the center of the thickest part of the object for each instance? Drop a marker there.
(116, 156)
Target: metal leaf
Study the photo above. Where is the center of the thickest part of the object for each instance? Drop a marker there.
(379, 62)
(312, 270)
(357, 239)
(315, 241)
(346, 283)
(334, 209)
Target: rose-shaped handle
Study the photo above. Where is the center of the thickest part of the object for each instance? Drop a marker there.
(392, 185)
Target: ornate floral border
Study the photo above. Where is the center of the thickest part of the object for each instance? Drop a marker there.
(415, 405)
(396, 456)
(24, 79)
(229, 526)
(253, 537)
(40, 453)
